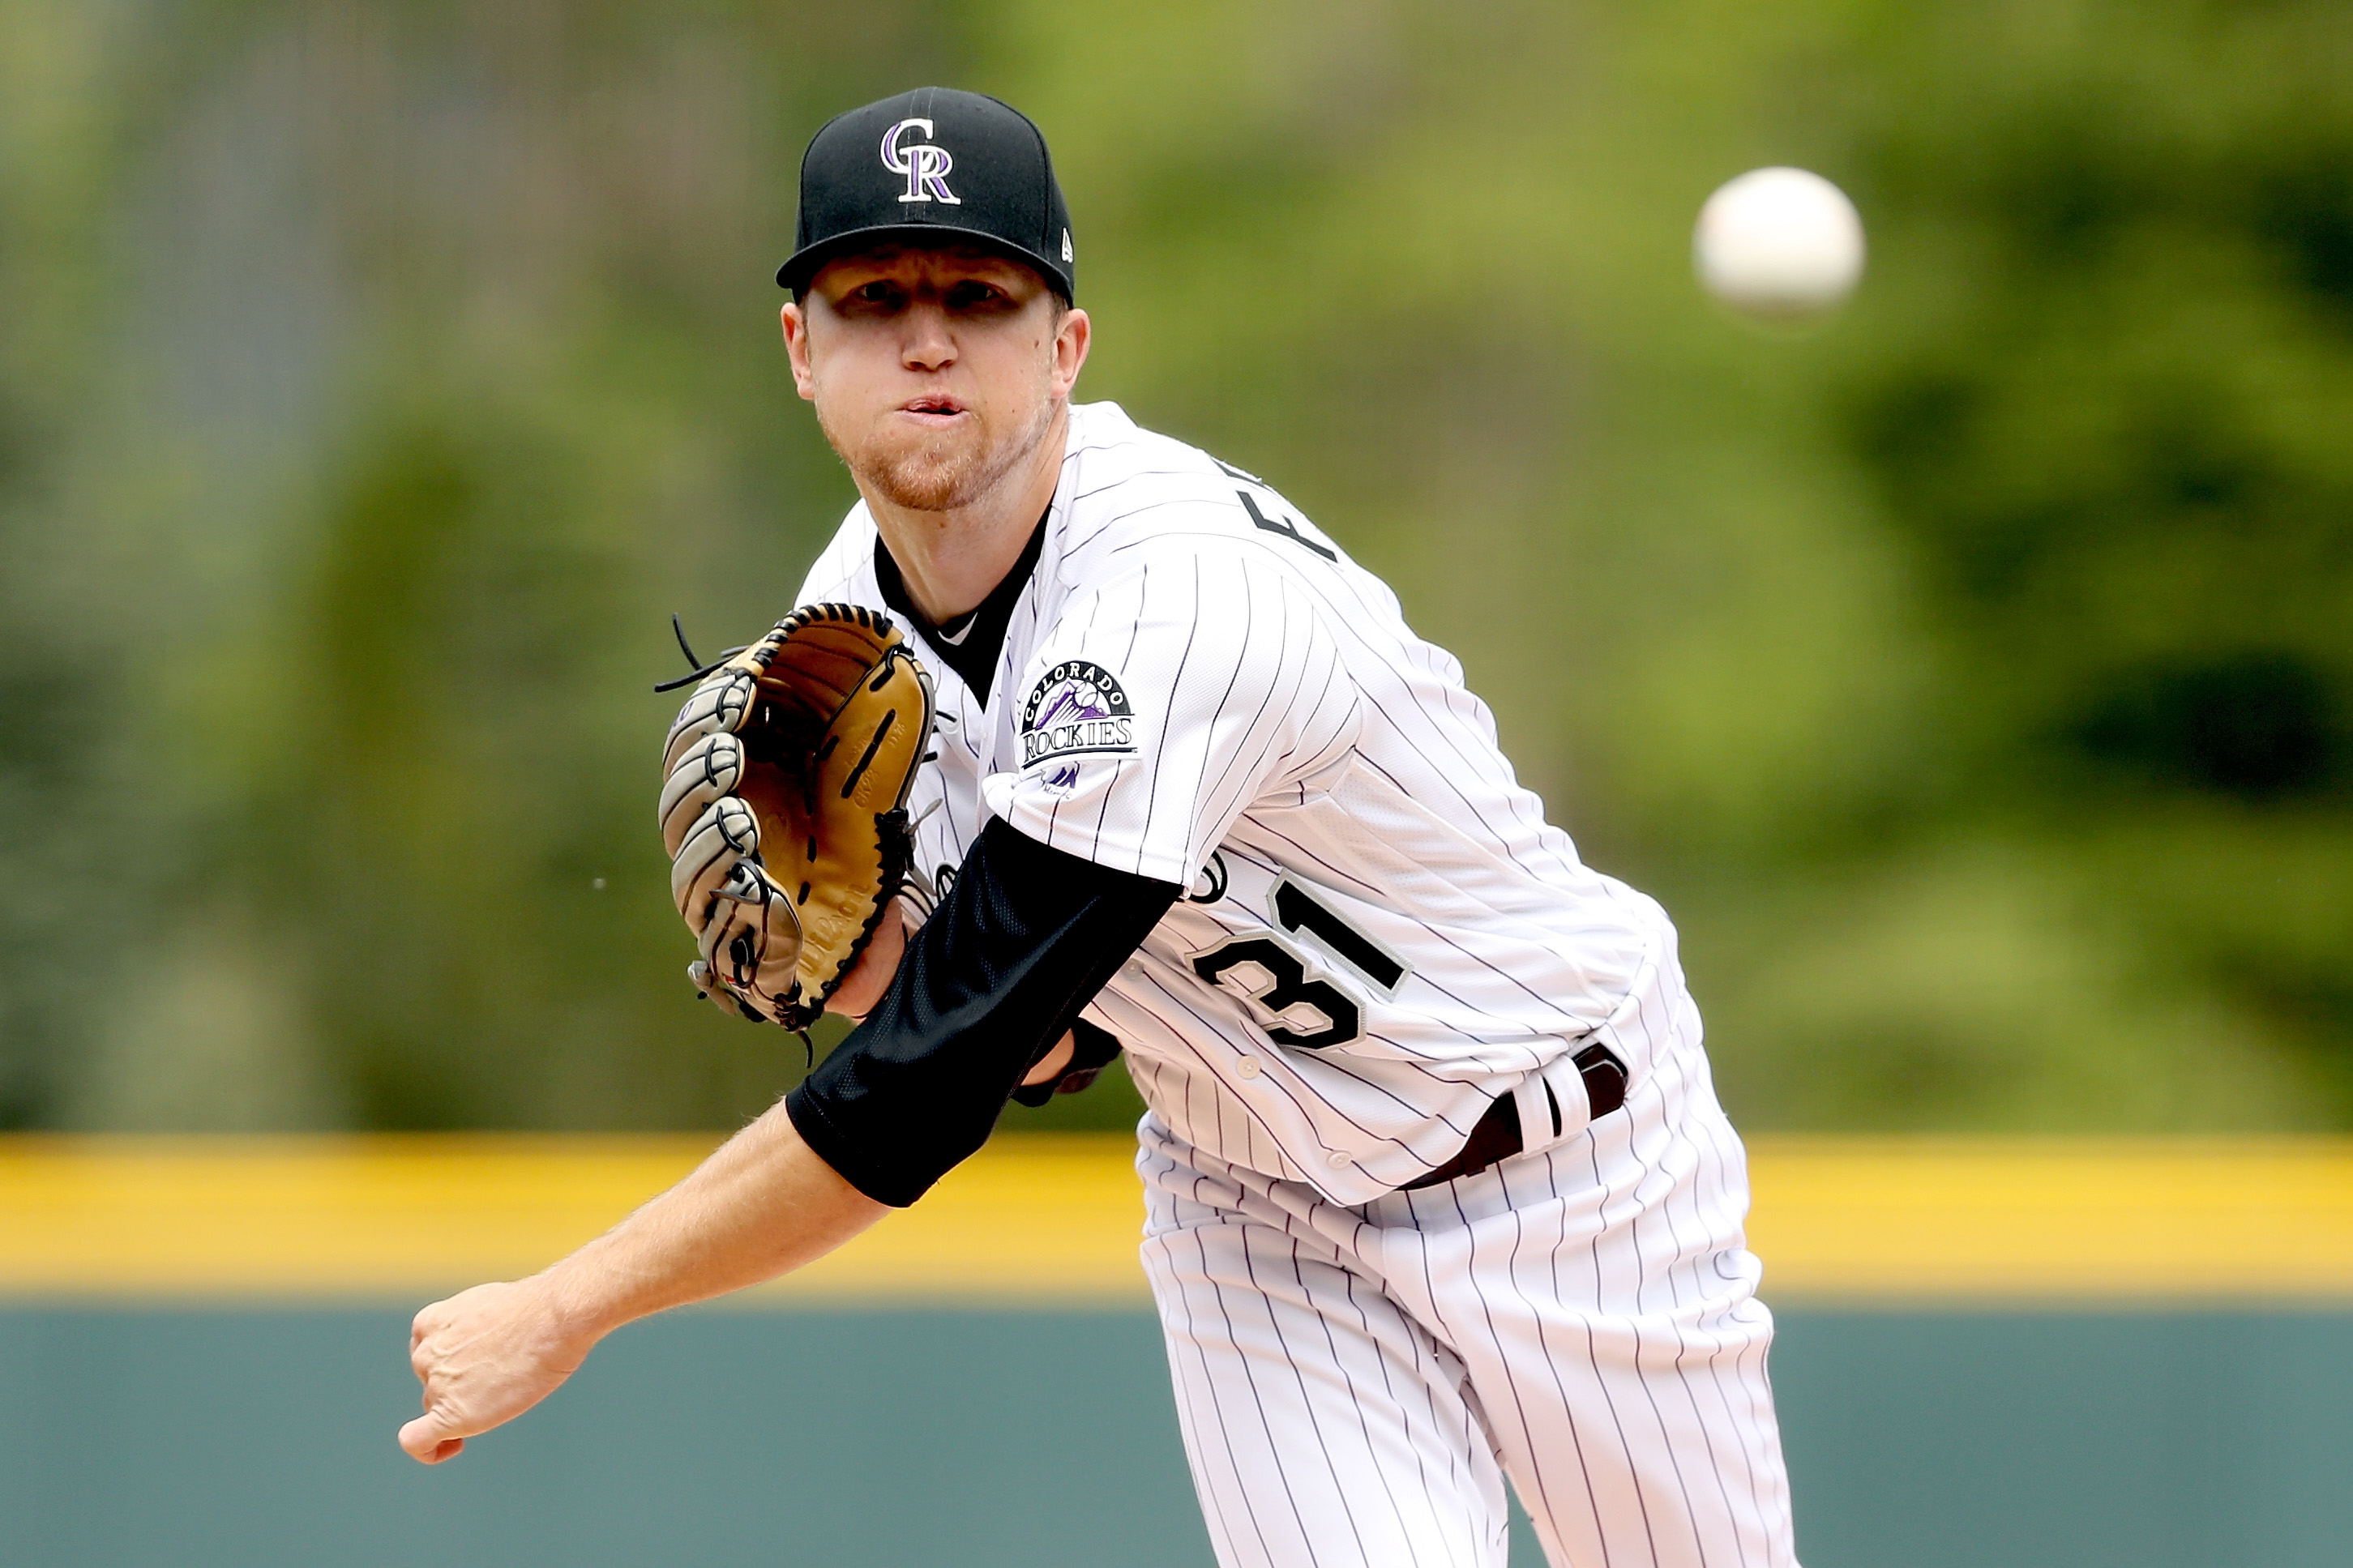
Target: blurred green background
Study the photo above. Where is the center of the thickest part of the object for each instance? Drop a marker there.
(1969, 674)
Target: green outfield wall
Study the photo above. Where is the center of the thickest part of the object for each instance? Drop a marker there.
(189, 1438)
(1995, 1353)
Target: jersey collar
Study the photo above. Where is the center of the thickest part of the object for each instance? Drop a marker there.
(968, 644)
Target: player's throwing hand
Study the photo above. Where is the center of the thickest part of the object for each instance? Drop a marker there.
(485, 1356)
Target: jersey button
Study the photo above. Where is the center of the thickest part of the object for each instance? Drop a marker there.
(1338, 1161)
(1248, 1067)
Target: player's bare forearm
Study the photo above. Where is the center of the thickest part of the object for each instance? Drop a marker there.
(761, 1206)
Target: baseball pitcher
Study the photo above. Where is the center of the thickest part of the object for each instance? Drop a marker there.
(1085, 743)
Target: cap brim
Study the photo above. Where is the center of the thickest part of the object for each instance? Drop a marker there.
(806, 263)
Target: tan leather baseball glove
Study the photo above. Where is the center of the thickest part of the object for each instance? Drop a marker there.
(784, 806)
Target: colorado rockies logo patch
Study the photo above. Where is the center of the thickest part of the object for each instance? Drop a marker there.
(925, 164)
(1076, 709)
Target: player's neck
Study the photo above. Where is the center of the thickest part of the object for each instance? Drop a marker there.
(950, 560)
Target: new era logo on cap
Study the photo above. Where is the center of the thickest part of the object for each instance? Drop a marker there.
(933, 166)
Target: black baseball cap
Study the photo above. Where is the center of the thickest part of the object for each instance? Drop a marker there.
(934, 166)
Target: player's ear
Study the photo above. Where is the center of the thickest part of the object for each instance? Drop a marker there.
(794, 318)
(1072, 335)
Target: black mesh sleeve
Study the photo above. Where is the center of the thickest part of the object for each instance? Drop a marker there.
(1025, 939)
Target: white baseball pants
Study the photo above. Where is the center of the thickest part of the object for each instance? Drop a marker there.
(1354, 1384)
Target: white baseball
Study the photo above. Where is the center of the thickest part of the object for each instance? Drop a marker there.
(1778, 243)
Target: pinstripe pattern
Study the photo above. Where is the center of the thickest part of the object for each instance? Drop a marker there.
(1350, 1379)
(1353, 1361)
(1289, 722)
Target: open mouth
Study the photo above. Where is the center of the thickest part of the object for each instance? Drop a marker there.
(936, 407)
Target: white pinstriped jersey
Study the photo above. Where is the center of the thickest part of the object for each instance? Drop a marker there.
(1382, 932)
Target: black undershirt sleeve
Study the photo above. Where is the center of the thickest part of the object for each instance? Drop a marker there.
(1024, 939)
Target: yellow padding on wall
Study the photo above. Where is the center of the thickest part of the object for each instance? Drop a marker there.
(1055, 1218)
(1040, 1217)
(2194, 1219)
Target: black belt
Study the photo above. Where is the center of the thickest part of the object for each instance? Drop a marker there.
(1498, 1136)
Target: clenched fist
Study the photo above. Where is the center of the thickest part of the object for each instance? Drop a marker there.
(485, 1356)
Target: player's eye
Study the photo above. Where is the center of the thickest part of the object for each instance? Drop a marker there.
(974, 295)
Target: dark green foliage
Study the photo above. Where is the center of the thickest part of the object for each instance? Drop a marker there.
(2255, 725)
(1968, 675)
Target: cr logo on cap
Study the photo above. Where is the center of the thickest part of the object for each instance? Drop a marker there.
(925, 165)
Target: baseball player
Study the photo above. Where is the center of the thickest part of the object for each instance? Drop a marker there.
(1436, 1187)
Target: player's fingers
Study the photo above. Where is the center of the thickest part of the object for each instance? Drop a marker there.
(709, 768)
(429, 1317)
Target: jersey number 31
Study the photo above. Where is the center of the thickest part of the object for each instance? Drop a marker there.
(1290, 982)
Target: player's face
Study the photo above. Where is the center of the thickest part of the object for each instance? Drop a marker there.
(934, 372)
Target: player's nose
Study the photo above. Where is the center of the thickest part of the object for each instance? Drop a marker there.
(928, 344)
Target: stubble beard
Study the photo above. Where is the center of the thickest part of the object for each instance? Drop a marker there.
(938, 473)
